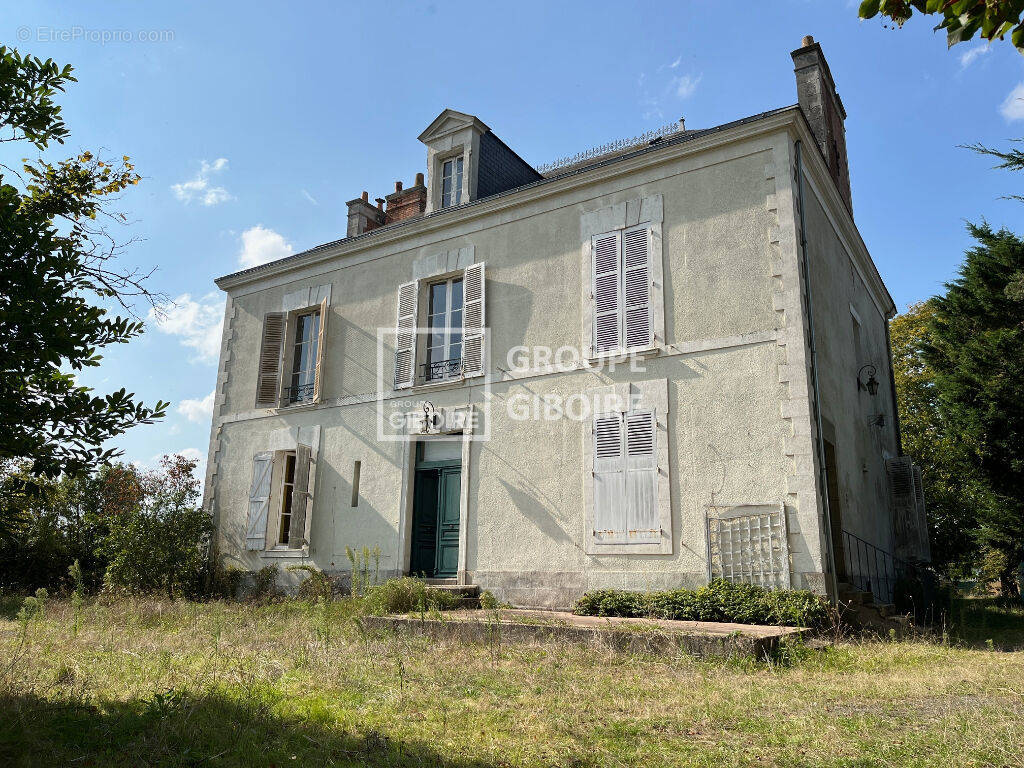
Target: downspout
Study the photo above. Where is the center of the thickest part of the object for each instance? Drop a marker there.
(822, 469)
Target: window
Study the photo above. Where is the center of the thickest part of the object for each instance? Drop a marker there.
(451, 182)
(622, 290)
(287, 494)
(444, 330)
(303, 383)
(626, 509)
(440, 328)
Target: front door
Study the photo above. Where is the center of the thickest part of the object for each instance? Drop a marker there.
(435, 520)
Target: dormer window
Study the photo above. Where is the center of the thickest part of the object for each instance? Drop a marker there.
(451, 182)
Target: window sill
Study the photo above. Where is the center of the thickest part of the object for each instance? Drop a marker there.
(285, 553)
(623, 356)
(298, 406)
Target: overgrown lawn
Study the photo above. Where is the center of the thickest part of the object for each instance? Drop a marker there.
(235, 684)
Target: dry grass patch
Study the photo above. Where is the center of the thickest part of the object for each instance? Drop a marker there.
(226, 684)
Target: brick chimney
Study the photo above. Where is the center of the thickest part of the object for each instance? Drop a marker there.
(406, 203)
(821, 105)
(362, 217)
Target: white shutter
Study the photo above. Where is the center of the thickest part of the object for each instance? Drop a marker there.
(609, 481)
(473, 321)
(259, 501)
(636, 287)
(405, 343)
(607, 324)
(301, 500)
(268, 378)
(643, 521)
(321, 350)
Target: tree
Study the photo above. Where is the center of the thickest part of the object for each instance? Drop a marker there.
(57, 272)
(976, 351)
(953, 487)
(962, 19)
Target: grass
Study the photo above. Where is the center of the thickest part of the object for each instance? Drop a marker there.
(153, 682)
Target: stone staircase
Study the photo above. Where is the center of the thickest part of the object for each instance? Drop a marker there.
(861, 610)
(468, 595)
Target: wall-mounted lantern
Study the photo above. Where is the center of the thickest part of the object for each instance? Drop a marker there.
(871, 385)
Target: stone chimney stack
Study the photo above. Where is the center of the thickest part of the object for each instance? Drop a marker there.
(821, 105)
(362, 217)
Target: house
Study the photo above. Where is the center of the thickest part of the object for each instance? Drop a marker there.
(658, 362)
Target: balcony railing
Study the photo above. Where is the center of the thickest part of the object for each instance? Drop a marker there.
(440, 370)
(302, 393)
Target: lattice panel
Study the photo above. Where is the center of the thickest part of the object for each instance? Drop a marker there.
(747, 544)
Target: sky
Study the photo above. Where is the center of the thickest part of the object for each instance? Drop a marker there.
(253, 123)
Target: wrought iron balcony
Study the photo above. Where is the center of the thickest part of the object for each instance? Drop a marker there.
(303, 393)
(439, 370)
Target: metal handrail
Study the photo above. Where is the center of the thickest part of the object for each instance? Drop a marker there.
(870, 568)
(299, 394)
(441, 369)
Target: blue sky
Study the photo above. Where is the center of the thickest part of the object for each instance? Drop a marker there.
(253, 123)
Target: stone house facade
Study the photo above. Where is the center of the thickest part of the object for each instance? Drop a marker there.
(643, 368)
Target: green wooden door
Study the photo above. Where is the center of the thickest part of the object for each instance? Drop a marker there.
(448, 523)
(435, 522)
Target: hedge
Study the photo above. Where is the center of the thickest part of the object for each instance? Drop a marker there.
(718, 601)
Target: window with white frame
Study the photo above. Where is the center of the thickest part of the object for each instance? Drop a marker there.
(451, 182)
(622, 280)
(625, 449)
(444, 330)
(280, 499)
(440, 327)
(304, 357)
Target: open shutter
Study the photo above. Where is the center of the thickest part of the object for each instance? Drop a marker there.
(636, 287)
(405, 343)
(641, 496)
(321, 350)
(268, 379)
(609, 482)
(301, 500)
(473, 321)
(607, 337)
(259, 501)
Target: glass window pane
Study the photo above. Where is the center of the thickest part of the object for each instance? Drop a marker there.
(457, 294)
(455, 352)
(456, 319)
(438, 295)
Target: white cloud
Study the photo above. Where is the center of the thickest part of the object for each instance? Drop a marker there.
(200, 189)
(971, 55)
(199, 411)
(198, 324)
(309, 197)
(260, 245)
(1012, 107)
(686, 85)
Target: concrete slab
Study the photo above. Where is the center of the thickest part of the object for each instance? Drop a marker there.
(658, 636)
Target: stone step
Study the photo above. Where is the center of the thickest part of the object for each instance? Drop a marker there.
(459, 590)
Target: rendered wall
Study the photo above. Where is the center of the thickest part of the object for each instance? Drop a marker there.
(524, 538)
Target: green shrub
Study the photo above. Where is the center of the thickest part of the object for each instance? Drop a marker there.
(406, 595)
(488, 601)
(718, 601)
(264, 582)
(316, 586)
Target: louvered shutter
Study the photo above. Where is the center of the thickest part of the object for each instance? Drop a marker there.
(321, 351)
(636, 287)
(641, 493)
(301, 500)
(473, 321)
(405, 343)
(605, 249)
(268, 379)
(259, 501)
(609, 481)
